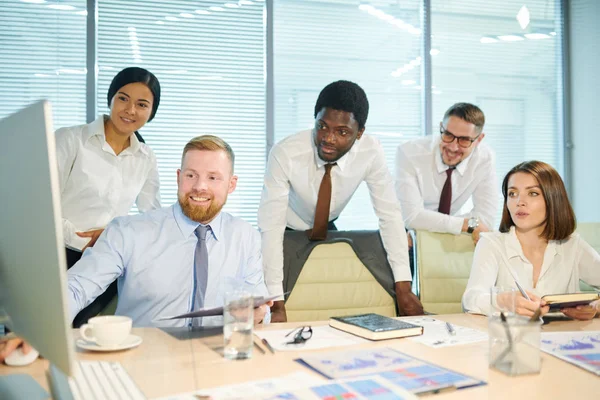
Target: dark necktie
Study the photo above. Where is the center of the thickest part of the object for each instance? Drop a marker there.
(319, 230)
(201, 268)
(446, 197)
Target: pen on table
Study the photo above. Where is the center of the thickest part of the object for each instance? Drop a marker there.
(523, 292)
(268, 345)
(259, 348)
(450, 329)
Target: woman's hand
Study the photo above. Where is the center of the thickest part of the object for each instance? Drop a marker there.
(94, 235)
(582, 313)
(528, 307)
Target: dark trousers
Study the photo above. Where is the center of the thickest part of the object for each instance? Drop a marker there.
(99, 303)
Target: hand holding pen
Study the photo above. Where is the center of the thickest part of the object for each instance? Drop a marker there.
(529, 302)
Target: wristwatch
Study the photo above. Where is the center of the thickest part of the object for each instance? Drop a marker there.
(472, 224)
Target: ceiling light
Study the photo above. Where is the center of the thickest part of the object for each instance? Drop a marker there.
(245, 2)
(511, 38)
(187, 15)
(203, 12)
(537, 36)
(62, 7)
(231, 5)
(523, 17)
(552, 33)
(169, 18)
(34, 2)
(396, 74)
(160, 22)
(487, 39)
(214, 8)
(365, 7)
(41, 75)
(434, 52)
(84, 13)
(408, 82)
(131, 29)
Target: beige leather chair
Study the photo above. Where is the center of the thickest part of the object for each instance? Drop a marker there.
(590, 232)
(334, 282)
(443, 264)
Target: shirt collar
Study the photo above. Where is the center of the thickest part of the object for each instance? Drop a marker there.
(439, 163)
(514, 249)
(188, 226)
(96, 128)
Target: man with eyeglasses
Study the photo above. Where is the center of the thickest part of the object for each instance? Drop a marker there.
(447, 183)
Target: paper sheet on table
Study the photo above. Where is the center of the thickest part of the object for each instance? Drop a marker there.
(579, 348)
(254, 389)
(211, 312)
(323, 337)
(435, 333)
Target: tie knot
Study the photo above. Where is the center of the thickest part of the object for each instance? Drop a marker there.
(201, 231)
(328, 167)
(449, 171)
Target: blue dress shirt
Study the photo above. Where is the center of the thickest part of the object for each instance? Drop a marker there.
(152, 256)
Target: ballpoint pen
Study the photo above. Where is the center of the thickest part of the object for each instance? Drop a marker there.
(268, 345)
(450, 329)
(259, 348)
(523, 292)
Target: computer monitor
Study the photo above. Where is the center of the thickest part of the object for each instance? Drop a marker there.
(33, 283)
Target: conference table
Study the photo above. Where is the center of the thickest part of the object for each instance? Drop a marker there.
(172, 361)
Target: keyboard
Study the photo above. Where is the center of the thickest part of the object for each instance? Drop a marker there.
(103, 380)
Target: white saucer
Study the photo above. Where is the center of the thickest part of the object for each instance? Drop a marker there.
(130, 342)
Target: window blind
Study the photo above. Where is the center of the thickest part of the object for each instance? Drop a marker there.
(42, 56)
(376, 45)
(209, 59)
(506, 58)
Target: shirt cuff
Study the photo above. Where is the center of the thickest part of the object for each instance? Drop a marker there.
(276, 289)
(455, 225)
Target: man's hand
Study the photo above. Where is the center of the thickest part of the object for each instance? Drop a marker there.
(582, 313)
(10, 345)
(528, 307)
(278, 311)
(94, 235)
(260, 312)
(409, 240)
(408, 303)
(477, 231)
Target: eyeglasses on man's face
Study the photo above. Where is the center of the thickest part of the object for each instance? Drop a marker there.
(301, 335)
(463, 141)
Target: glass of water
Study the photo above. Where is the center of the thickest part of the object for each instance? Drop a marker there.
(238, 320)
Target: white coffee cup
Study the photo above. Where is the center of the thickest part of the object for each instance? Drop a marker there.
(107, 330)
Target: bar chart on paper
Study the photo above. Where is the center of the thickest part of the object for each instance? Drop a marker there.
(578, 348)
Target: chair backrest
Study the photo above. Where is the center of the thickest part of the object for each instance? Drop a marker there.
(334, 282)
(443, 263)
(590, 232)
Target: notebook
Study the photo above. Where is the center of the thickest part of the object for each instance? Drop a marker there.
(558, 301)
(375, 326)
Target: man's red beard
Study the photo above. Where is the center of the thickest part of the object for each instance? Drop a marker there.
(199, 213)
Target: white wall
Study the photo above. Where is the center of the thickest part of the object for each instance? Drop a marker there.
(584, 34)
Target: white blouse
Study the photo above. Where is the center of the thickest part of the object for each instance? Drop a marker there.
(96, 184)
(499, 260)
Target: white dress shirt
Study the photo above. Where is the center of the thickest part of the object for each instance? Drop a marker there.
(420, 178)
(499, 260)
(96, 184)
(291, 188)
(152, 256)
